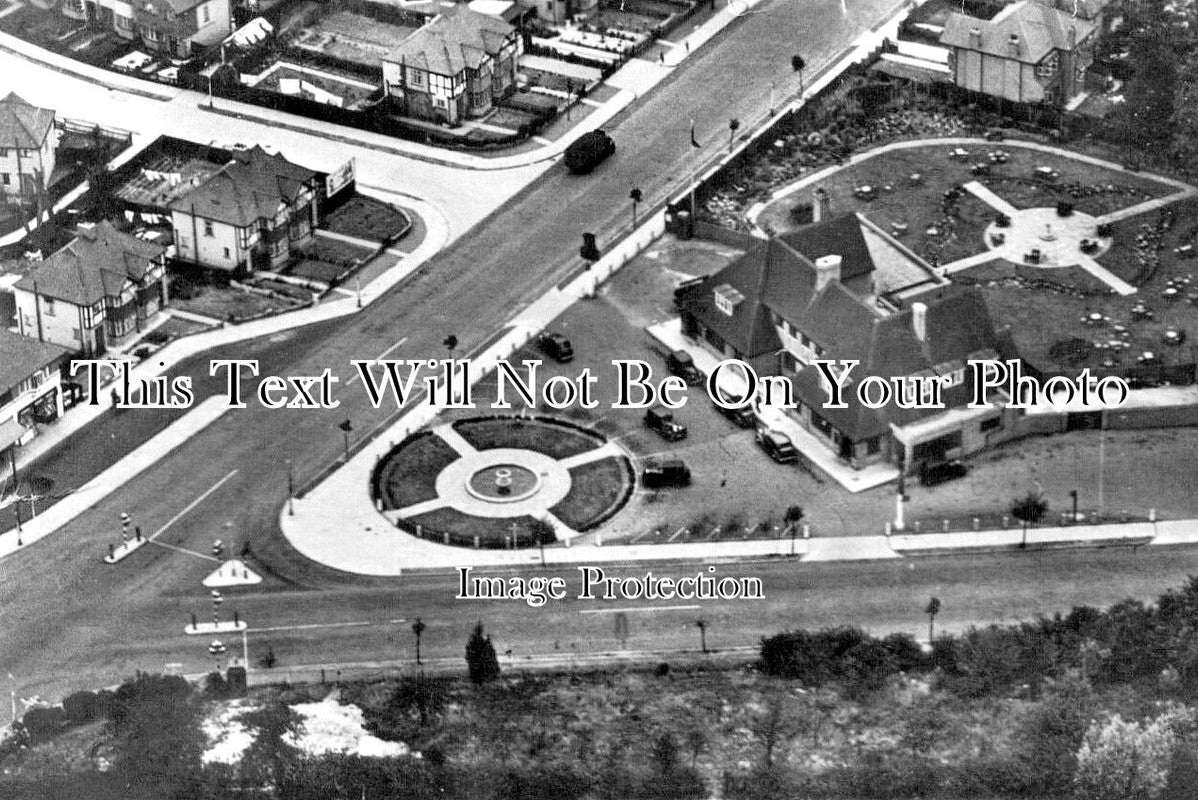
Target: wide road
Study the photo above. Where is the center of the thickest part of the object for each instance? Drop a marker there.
(68, 620)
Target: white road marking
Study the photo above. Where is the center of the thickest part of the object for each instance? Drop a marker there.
(357, 375)
(316, 625)
(184, 550)
(191, 505)
(641, 608)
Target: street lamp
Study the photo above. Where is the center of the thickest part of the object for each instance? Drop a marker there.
(346, 427)
(702, 626)
(290, 490)
(1073, 494)
(418, 628)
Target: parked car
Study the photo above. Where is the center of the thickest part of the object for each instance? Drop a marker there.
(557, 347)
(663, 474)
(681, 364)
(932, 475)
(588, 151)
(778, 445)
(995, 135)
(662, 420)
(743, 417)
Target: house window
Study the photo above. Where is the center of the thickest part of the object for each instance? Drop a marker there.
(48, 306)
(1048, 67)
(123, 23)
(226, 253)
(727, 298)
(26, 153)
(205, 14)
(7, 179)
(415, 77)
(873, 446)
(3, 152)
(992, 424)
(208, 228)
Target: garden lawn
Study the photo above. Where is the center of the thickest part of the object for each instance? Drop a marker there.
(227, 303)
(455, 522)
(540, 436)
(409, 473)
(367, 218)
(595, 489)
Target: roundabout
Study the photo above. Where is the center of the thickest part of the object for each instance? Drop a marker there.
(496, 482)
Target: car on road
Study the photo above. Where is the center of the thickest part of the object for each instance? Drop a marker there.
(777, 445)
(662, 421)
(743, 417)
(588, 151)
(557, 347)
(932, 475)
(681, 364)
(662, 474)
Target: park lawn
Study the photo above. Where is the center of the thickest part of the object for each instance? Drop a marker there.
(596, 489)
(540, 436)
(465, 527)
(409, 472)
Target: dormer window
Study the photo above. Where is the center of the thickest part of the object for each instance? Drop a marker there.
(1049, 66)
(727, 298)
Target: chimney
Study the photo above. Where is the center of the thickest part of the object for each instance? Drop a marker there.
(827, 270)
(1013, 44)
(822, 208)
(975, 37)
(919, 321)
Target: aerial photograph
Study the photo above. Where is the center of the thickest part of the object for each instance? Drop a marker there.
(598, 399)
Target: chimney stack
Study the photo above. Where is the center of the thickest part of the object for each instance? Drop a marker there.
(822, 208)
(827, 270)
(1013, 44)
(975, 37)
(919, 321)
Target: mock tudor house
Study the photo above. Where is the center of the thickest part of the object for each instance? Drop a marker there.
(1029, 52)
(170, 27)
(247, 215)
(812, 294)
(27, 144)
(103, 286)
(30, 388)
(454, 67)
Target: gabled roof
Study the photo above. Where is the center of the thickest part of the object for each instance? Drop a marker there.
(1040, 30)
(23, 124)
(454, 40)
(22, 356)
(247, 189)
(96, 264)
(778, 279)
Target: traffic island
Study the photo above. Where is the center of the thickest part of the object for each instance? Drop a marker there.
(124, 550)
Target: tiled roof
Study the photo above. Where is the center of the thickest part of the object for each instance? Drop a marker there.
(779, 278)
(248, 189)
(22, 124)
(21, 356)
(96, 264)
(1040, 30)
(454, 40)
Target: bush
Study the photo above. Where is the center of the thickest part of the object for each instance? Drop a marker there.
(44, 723)
(81, 707)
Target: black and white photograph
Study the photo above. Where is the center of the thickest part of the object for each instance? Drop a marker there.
(599, 399)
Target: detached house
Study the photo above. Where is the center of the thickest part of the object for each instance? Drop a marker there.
(812, 294)
(1028, 53)
(248, 215)
(171, 27)
(103, 286)
(27, 143)
(454, 67)
(30, 388)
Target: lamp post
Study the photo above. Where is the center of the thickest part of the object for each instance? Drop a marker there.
(346, 427)
(217, 599)
(290, 490)
(701, 624)
(125, 520)
(418, 628)
(1073, 494)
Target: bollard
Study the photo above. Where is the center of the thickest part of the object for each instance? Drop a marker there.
(598, 540)
(419, 530)
(944, 527)
(446, 537)
(476, 543)
(806, 531)
(378, 504)
(886, 528)
(110, 555)
(1005, 521)
(1152, 515)
(137, 531)
(977, 524)
(917, 526)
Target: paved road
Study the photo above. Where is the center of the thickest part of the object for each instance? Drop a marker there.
(66, 618)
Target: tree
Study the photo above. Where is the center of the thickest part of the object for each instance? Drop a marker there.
(1125, 760)
(1149, 95)
(481, 660)
(636, 196)
(797, 64)
(271, 757)
(733, 127)
(932, 609)
(701, 624)
(418, 629)
(1029, 510)
(792, 518)
(451, 343)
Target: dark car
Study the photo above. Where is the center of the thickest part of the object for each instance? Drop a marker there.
(588, 151)
(932, 475)
(743, 417)
(557, 347)
(662, 420)
(995, 135)
(666, 473)
(681, 364)
(778, 445)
